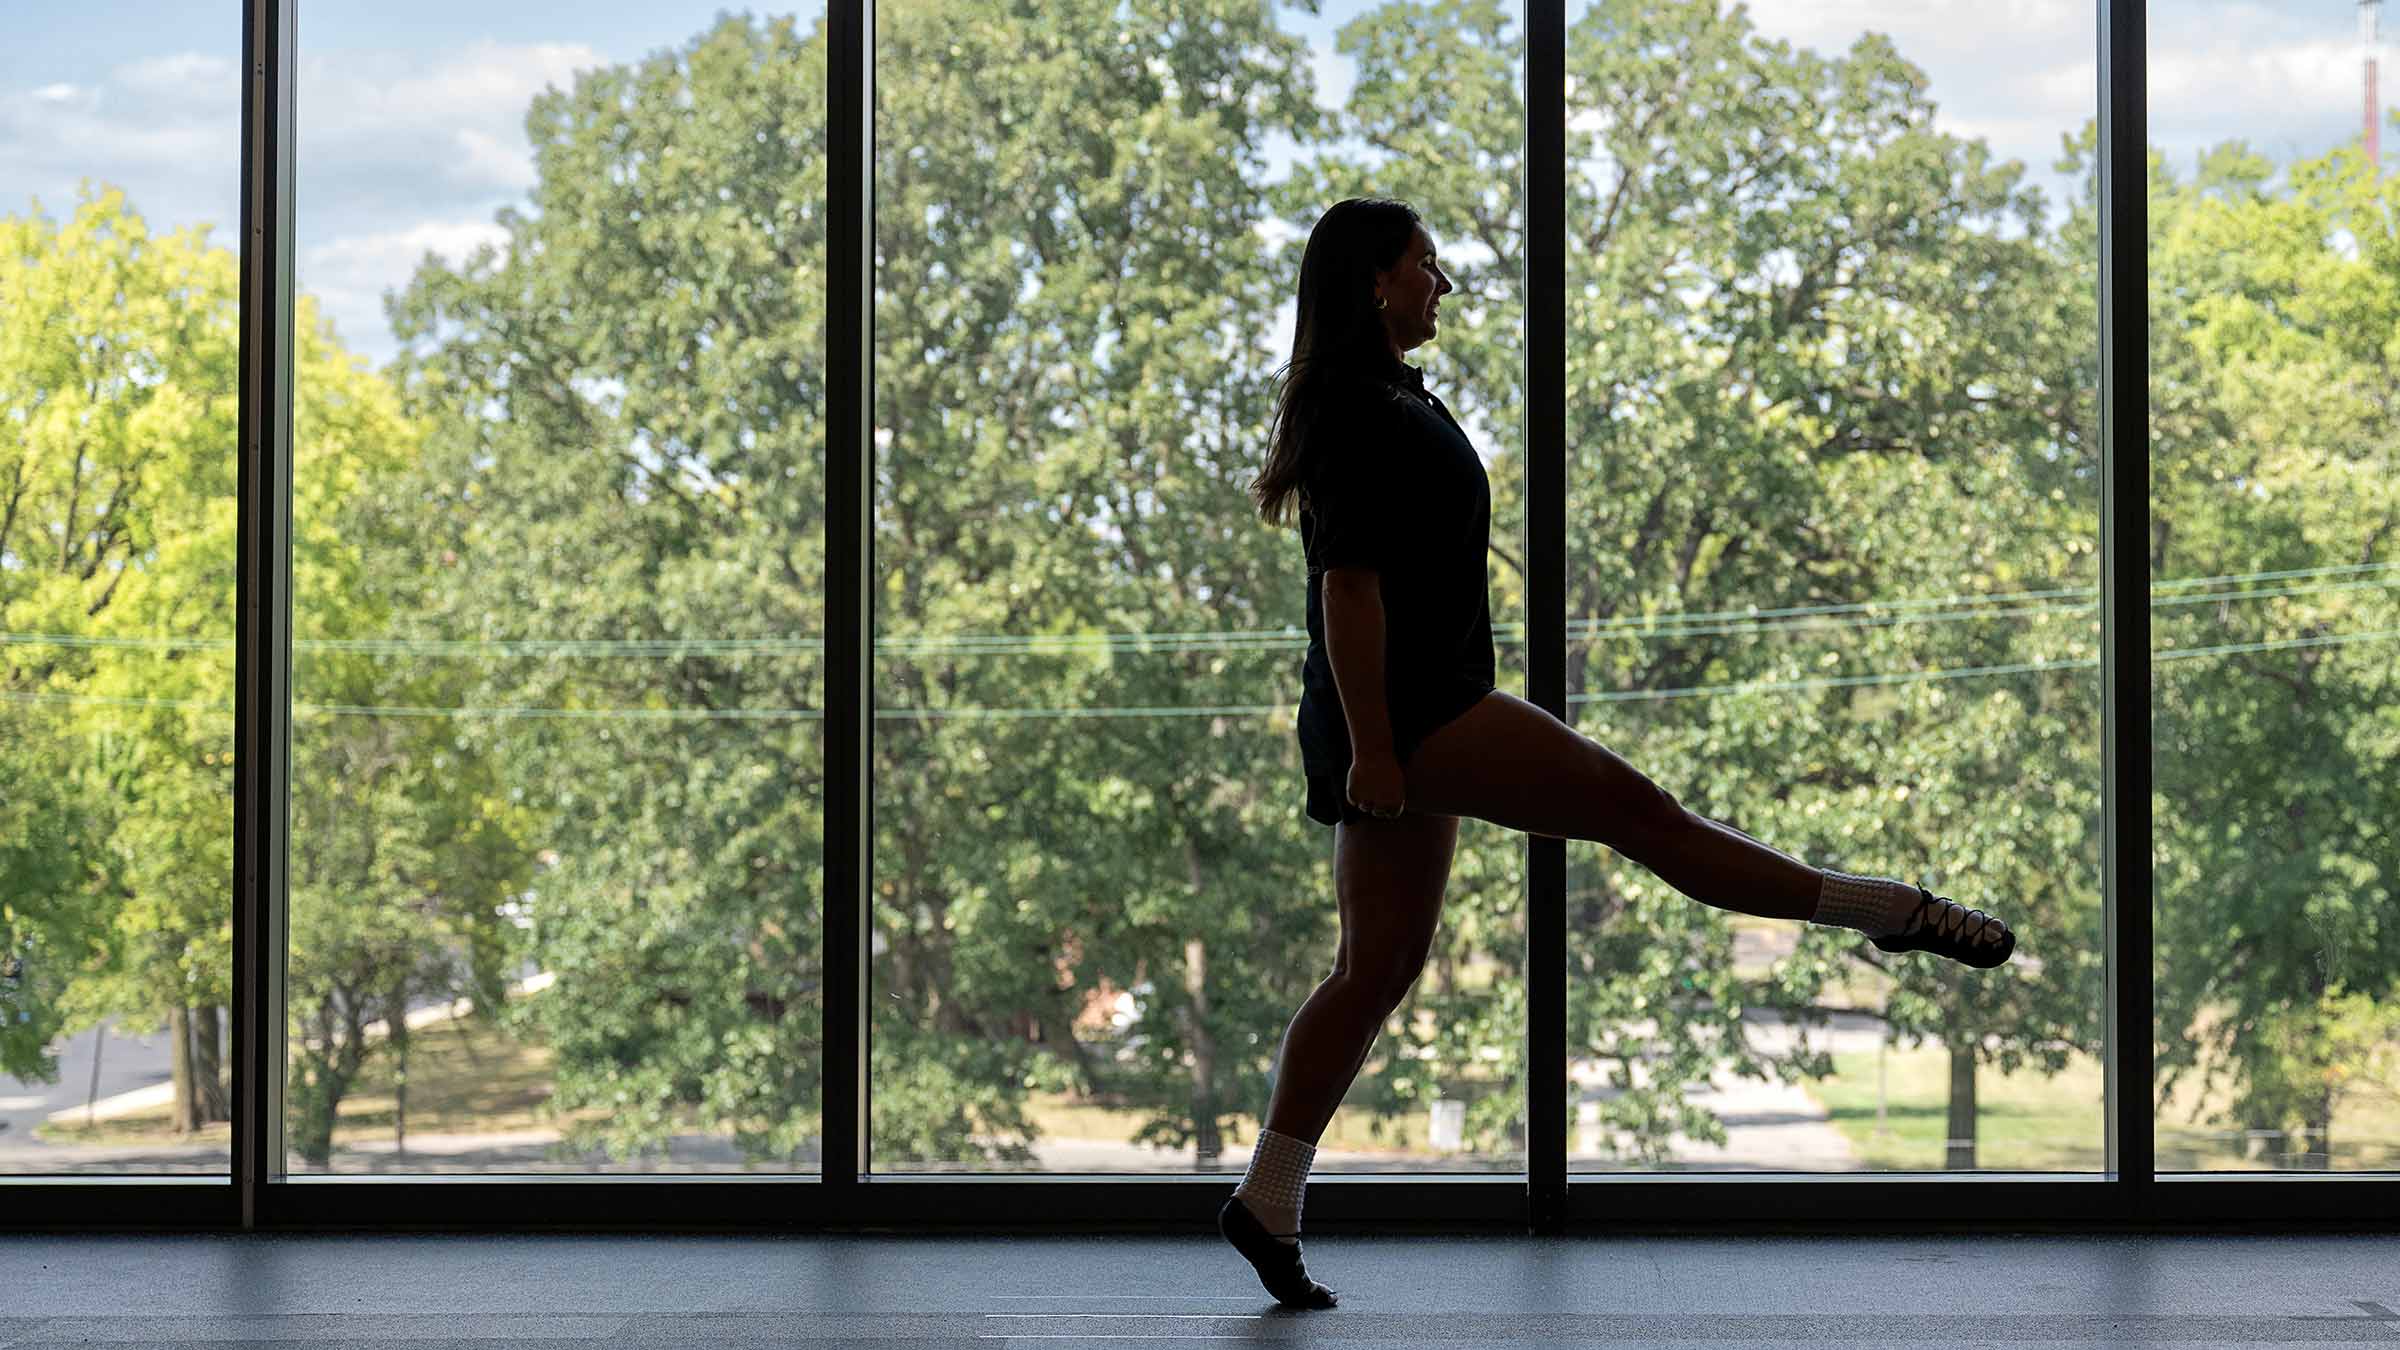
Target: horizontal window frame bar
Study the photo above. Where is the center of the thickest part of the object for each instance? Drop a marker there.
(1356, 1203)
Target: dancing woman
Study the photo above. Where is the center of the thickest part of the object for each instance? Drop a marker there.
(1402, 732)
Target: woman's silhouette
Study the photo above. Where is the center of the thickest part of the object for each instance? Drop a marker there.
(1401, 730)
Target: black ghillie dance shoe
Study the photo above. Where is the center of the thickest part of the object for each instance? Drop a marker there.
(1278, 1264)
(1944, 928)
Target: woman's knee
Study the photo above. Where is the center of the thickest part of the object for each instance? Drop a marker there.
(1373, 990)
(1667, 813)
(1664, 816)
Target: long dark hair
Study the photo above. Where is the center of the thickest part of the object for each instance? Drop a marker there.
(1338, 334)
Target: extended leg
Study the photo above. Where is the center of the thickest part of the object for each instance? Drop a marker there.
(1510, 762)
(1514, 764)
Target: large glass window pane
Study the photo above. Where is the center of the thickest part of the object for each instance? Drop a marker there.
(1831, 530)
(1098, 901)
(2275, 591)
(120, 209)
(558, 508)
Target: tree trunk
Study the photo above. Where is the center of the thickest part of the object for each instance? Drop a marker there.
(1961, 1149)
(2319, 1157)
(1211, 1142)
(396, 1036)
(323, 1069)
(186, 1116)
(208, 1067)
(1087, 1070)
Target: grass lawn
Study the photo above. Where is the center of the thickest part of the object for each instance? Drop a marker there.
(2025, 1122)
(2029, 1122)
(462, 1079)
(468, 1079)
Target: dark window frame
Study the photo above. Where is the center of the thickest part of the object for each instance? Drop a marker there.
(2127, 1195)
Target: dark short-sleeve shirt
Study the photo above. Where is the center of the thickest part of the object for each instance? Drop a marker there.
(1394, 485)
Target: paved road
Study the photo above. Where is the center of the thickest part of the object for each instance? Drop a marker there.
(126, 1064)
(131, 1068)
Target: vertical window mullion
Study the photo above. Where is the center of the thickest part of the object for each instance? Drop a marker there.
(849, 611)
(263, 621)
(1545, 595)
(2125, 594)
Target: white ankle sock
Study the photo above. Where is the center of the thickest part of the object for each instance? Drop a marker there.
(1875, 906)
(1277, 1181)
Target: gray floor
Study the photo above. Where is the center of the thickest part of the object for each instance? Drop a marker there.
(425, 1291)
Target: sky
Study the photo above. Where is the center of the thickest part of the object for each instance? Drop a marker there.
(411, 116)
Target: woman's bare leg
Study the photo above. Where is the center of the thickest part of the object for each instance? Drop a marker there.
(1506, 761)
(1388, 877)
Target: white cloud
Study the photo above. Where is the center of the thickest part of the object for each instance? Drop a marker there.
(182, 77)
(455, 115)
(173, 110)
(1927, 29)
(2230, 87)
(451, 241)
(1982, 59)
(491, 160)
(166, 129)
(2019, 73)
(349, 274)
(401, 154)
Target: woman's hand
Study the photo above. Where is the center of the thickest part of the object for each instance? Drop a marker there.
(1376, 786)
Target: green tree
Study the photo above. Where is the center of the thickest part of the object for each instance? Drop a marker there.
(625, 450)
(117, 368)
(1109, 288)
(2273, 309)
(1064, 208)
(116, 568)
(406, 849)
(46, 925)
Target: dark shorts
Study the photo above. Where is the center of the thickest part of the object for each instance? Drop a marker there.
(1329, 785)
(1329, 799)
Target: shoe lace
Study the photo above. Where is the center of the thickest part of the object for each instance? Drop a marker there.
(1953, 920)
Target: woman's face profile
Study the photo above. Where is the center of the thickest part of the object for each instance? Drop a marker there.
(1412, 291)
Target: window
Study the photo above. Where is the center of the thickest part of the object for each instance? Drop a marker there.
(120, 163)
(1098, 901)
(1831, 538)
(2275, 595)
(558, 624)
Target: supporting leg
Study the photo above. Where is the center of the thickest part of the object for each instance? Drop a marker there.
(1323, 1049)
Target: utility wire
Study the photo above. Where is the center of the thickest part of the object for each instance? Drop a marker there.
(1186, 710)
(1859, 614)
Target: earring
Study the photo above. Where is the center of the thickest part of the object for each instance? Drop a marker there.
(1382, 300)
